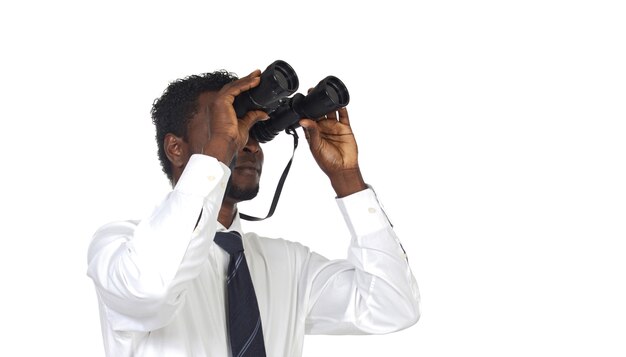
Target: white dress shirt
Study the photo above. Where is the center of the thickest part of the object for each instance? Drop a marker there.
(161, 282)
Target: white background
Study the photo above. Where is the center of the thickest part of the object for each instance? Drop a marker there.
(493, 131)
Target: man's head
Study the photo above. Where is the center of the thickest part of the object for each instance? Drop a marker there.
(172, 112)
(180, 116)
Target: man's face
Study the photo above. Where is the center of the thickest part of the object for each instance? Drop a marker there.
(245, 178)
(246, 173)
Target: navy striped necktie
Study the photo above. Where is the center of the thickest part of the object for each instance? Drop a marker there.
(244, 321)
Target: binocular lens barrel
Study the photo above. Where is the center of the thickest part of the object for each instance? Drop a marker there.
(337, 91)
(330, 94)
(283, 75)
(279, 80)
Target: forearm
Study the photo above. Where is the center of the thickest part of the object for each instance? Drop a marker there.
(165, 237)
(138, 268)
(373, 290)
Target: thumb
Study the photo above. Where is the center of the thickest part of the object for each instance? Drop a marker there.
(311, 131)
(251, 117)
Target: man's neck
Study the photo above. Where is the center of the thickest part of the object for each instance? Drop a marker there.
(227, 213)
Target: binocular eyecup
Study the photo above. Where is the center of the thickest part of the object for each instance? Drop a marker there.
(278, 82)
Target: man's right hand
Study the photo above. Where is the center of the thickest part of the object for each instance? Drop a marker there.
(227, 133)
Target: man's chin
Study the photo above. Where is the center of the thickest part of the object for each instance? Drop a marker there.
(239, 194)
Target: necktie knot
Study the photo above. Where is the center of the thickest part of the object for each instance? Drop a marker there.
(229, 241)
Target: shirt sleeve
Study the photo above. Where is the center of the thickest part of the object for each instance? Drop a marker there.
(141, 270)
(373, 291)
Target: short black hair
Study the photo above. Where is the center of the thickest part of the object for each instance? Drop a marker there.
(172, 112)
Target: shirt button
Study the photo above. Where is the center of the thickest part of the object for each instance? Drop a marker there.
(371, 210)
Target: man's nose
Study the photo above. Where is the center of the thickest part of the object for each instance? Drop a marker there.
(252, 146)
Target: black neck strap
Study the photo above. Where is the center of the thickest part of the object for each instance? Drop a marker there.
(281, 182)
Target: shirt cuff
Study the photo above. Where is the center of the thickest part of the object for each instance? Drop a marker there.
(363, 213)
(202, 175)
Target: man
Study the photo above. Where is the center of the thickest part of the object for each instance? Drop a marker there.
(163, 282)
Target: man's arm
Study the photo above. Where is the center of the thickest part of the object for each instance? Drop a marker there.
(141, 270)
(373, 291)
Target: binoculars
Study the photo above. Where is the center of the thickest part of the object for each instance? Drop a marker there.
(278, 82)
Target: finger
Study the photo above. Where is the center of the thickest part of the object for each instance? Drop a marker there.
(243, 84)
(250, 81)
(332, 115)
(255, 73)
(343, 116)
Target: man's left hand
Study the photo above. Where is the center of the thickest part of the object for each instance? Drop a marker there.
(334, 148)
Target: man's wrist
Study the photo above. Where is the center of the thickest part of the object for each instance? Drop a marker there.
(223, 149)
(347, 182)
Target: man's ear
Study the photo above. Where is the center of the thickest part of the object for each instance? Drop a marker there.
(176, 150)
